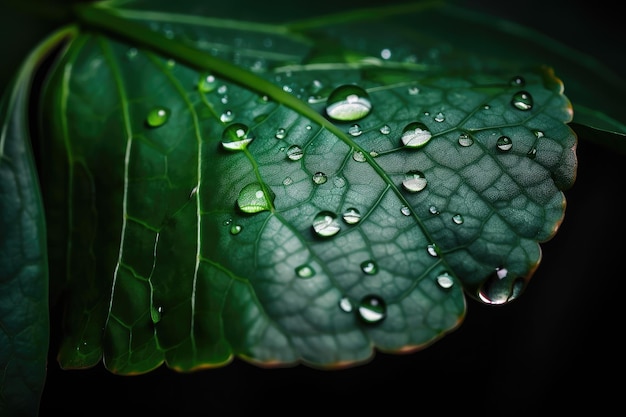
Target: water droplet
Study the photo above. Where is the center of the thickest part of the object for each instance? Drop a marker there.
(414, 181)
(439, 117)
(445, 281)
(288, 181)
(517, 81)
(385, 130)
(348, 103)
(157, 117)
(345, 304)
(319, 178)
(413, 91)
(227, 222)
(339, 182)
(458, 219)
(369, 267)
(415, 135)
(235, 229)
(358, 156)
(465, 140)
(433, 210)
(207, 83)
(131, 53)
(227, 116)
(405, 210)
(156, 313)
(252, 199)
(351, 216)
(372, 309)
(504, 143)
(281, 133)
(522, 100)
(355, 130)
(325, 224)
(532, 153)
(433, 250)
(538, 134)
(235, 137)
(305, 271)
(294, 152)
(501, 287)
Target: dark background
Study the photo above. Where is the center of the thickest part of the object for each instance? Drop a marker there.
(557, 347)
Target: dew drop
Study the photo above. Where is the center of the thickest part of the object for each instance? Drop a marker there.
(235, 137)
(385, 130)
(522, 100)
(227, 116)
(517, 81)
(433, 210)
(358, 156)
(339, 182)
(319, 178)
(445, 281)
(235, 229)
(538, 134)
(465, 140)
(207, 83)
(348, 103)
(252, 199)
(432, 250)
(351, 216)
(157, 117)
(325, 224)
(532, 153)
(288, 181)
(504, 143)
(415, 135)
(439, 117)
(414, 181)
(413, 91)
(355, 130)
(305, 271)
(405, 210)
(458, 219)
(294, 152)
(156, 313)
(501, 287)
(372, 309)
(369, 267)
(345, 304)
(281, 133)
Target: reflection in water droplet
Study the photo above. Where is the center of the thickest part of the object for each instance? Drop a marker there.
(501, 287)
(157, 117)
(235, 229)
(325, 224)
(235, 137)
(522, 100)
(305, 271)
(345, 304)
(445, 281)
(351, 216)
(207, 83)
(504, 143)
(414, 181)
(458, 219)
(319, 178)
(252, 199)
(358, 156)
(465, 140)
(294, 152)
(355, 130)
(281, 133)
(385, 130)
(405, 210)
(227, 116)
(415, 135)
(369, 267)
(348, 103)
(432, 250)
(372, 309)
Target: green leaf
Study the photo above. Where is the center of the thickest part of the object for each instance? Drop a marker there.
(24, 328)
(223, 195)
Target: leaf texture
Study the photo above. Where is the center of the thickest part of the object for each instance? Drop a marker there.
(290, 194)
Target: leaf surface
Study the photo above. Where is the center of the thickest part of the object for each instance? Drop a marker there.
(289, 193)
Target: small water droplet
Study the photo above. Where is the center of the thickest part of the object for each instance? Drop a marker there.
(281, 133)
(355, 130)
(458, 219)
(222, 89)
(348, 103)
(532, 153)
(522, 100)
(351, 216)
(235, 137)
(465, 140)
(405, 210)
(319, 178)
(415, 135)
(538, 134)
(339, 182)
(432, 250)
(414, 181)
(501, 287)
(157, 117)
(252, 199)
(235, 229)
(369, 267)
(156, 313)
(288, 181)
(227, 222)
(433, 210)
(305, 271)
(294, 152)
(227, 116)
(445, 281)
(372, 309)
(504, 143)
(358, 156)
(385, 130)
(439, 117)
(345, 304)
(207, 83)
(517, 81)
(325, 224)
(486, 106)
(413, 91)
(132, 53)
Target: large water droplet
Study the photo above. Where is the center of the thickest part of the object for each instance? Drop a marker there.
(305, 271)
(325, 224)
(522, 100)
(369, 267)
(372, 309)
(348, 103)
(504, 143)
(235, 137)
(414, 181)
(158, 116)
(252, 199)
(501, 287)
(294, 152)
(351, 216)
(415, 135)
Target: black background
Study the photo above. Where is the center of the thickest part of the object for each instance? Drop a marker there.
(558, 347)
